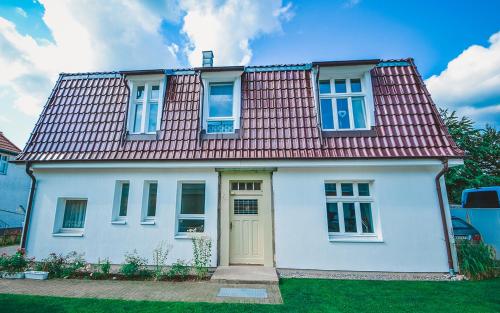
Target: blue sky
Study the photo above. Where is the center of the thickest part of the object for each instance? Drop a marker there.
(456, 44)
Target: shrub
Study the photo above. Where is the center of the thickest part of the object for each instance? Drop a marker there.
(202, 251)
(105, 266)
(18, 262)
(60, 266)
(99, 270)
(160, 254)
(179, 269)
(477, 260)
(134, 265)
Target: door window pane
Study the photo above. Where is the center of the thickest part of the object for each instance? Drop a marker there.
(324, 86)
(343, 113)
(349, 218)
(193, 199)
(332, 213)
(326, 113)
(137, 118)
(331, 189)
(364, 189)
(221, 100)
(347, 189)
(340, 86)
(246, 207)
(153, 115)
(74, 213)
(191, 225)
(152, 195)
(358, 111)
(366, 217)
(355, 85)
(124, 199)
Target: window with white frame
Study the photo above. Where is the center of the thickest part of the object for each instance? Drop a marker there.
(350, 208)
(220, 108)
(191, 208)
(70, 216)
(120, 203)
(149, 201)
(4, 162)
(145, 106)
(343, 104)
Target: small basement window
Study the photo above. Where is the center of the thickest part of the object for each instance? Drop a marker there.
(145, 106)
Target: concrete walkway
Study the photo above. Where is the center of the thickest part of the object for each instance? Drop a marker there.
(244, 274)
(204, 291)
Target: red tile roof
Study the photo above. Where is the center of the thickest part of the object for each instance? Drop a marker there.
(85, 120)
(7, 146)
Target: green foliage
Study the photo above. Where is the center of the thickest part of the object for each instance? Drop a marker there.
(482, 163)
(105, 266)
(202, 251)
(477, 260)
(60, 266)
(134, 265)
(160, 254)
(18, 262)
(179, 269)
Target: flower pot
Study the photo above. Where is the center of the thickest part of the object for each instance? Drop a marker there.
(38, 275)
(18, 275)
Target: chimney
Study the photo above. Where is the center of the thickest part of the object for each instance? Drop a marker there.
(208, 58)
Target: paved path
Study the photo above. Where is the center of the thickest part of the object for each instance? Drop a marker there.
(135, 290)
(9, 249)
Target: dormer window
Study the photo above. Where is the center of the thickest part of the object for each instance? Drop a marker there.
(343, 105)
(145, 100)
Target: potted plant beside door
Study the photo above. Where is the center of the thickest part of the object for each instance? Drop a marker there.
(14, 266)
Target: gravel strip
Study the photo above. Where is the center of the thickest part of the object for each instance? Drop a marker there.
(291, 273)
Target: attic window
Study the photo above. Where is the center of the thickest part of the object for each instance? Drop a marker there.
(145, 103)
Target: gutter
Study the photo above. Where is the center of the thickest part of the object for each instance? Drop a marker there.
(443, 215)
(27, 218)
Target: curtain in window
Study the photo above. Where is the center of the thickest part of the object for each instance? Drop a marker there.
(74, 213)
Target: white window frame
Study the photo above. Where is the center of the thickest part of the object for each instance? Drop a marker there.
(145, 219)
(180, 216)
(58, 229)
(229, 77)
(116, 218)
(4, 164)
(356, 199)
(147, 81)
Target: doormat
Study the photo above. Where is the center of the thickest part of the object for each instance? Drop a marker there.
(260, 293)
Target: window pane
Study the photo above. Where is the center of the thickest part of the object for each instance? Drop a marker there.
(324, 86)
(137, 118)
(349, 218)
(221, 100)
(364, 189)
(193, 199)
(140, 92)
(343, 113)
(220, 127)
(331, 189)
(340, 86)
(358, 111)
(197, 226)
(355, 85)
(256, 186)
(153, 115)
(366, 217)
(74, 213)
(347, 189)
(487, 199)
(234, 186)
(326, 113)
(155, 92)
(332, 215)
(153, 191)
(124, 199)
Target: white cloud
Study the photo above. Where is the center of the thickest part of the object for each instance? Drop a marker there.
(228, 28)
(471, 82)
(21, 12)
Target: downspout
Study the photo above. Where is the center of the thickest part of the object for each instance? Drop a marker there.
(27, 218)
(443, 215)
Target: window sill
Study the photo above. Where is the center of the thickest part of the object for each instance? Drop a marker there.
(350, 133)
(148, 222)
(186, 236)
(119, 222)
(68, 234)
(360, 238)
(142, 136)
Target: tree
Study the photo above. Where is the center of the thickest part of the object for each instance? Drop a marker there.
(482, 161)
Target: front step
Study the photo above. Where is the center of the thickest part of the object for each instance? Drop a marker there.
(245, 275)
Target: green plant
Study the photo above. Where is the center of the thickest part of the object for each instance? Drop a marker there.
(179, 269)
(60, 266)
(134, 265)
(160, 254)
(18, 262)
(105, 266)
(202, 251)
(477, 260)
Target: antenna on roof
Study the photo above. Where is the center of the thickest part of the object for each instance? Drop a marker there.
(208, 58)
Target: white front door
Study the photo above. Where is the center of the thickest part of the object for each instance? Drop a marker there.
(246, 229)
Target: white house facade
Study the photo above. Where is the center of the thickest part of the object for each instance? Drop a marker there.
(329, 166)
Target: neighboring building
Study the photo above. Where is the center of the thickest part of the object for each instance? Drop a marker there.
(14, 187)
(329, 165)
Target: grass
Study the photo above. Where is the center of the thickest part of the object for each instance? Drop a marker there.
(303, 295)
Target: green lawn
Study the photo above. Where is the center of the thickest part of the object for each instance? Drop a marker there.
(303, 295)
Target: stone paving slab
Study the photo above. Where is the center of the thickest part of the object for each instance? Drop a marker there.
(204, 291)
(243, 274)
